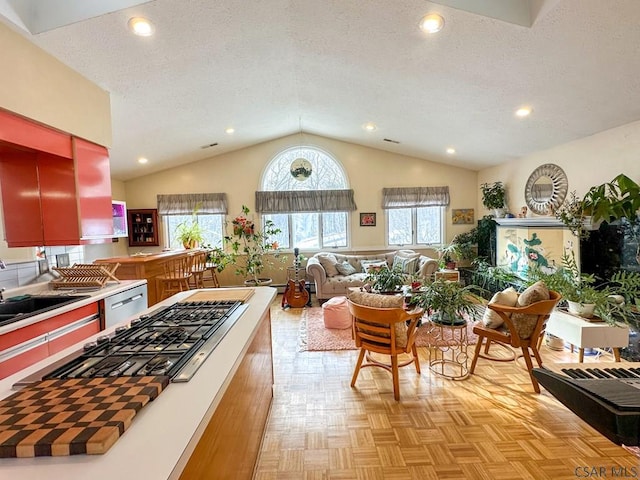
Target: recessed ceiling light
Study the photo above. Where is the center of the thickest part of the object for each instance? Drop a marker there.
(524, 112)
(370, 126)
(143, 160)
(141, 26)
(431, 23)
(451, 151)
(229, 131)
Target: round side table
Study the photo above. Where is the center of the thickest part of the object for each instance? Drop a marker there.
(448, 349)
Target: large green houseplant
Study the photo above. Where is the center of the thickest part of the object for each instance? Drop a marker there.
(614, 201)
(256, 247)
(577, 289)
(494, 196)
(448, 302)
(387, 280)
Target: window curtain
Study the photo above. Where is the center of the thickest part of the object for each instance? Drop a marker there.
(186, 203)
(305, 201)
(410, 197)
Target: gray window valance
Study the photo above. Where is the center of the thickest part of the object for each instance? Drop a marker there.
(409, 197)
(305, 201)
(186, 203)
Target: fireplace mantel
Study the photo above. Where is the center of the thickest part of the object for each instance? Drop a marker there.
(541, 222)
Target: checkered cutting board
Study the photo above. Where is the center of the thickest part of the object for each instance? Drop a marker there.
(75, 416)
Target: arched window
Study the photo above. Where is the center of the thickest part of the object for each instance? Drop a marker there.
(305, 193)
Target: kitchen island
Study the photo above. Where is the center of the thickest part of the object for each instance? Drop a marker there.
(219, 414)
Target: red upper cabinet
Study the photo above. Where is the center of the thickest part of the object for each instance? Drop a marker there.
(51, 199)
(20, 198)
(58, 200)
(26, 133)
(93, 180)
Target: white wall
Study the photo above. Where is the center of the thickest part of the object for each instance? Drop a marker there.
(38, 86)
(589, 161)
(369, 171)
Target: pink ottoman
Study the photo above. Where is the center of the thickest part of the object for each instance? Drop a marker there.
(336, 313)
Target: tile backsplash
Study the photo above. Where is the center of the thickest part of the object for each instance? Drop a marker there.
(21, 273)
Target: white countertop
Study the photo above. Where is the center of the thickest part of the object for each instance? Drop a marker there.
(111, 288)
(160, 439)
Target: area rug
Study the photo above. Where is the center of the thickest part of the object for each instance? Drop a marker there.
(313, 335)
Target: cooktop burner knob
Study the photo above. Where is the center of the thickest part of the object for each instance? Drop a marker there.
(89, 346)
(102, 339)
(121, 329)
(136, 322)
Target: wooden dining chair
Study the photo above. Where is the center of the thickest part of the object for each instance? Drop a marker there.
(198, 269)
(514, 333)
(176, 276)
(386, 331)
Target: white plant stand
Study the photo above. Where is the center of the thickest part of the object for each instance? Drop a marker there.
(583, 334)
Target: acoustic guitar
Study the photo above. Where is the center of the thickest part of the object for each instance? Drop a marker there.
(295, 295)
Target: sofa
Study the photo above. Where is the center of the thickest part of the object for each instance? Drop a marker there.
(334, 273)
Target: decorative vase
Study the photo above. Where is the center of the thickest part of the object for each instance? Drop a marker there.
(584, 310)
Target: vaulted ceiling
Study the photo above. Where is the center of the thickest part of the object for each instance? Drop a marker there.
(271, 68)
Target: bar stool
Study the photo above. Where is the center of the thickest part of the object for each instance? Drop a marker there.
(211, 269)
(198, 267)
(177, 273)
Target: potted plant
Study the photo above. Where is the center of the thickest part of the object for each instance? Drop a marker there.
(190, 232)
(387, 280)
(577, 289)
(448, 302)
(573, 215)
(493, 197)
(447, 255)
(254, 245)
(217, 257)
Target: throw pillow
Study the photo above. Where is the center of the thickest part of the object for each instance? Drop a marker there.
(508, 298)
(328, 262)
(405, 265)
(345, 268)
(525, 323)
(383, 301)
(368, 265)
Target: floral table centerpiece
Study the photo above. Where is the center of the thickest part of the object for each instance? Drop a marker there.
(257, 246)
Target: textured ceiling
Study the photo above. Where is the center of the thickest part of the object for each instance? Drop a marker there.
(273, 67)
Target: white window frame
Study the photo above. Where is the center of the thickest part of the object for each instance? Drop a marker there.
(311, 153)
(414, 229)
(208, 240)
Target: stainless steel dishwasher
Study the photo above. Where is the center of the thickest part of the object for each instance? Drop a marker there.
(123, 305)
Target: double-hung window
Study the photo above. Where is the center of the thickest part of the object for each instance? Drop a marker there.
(209, 209)
(415, 215)
(304, 193)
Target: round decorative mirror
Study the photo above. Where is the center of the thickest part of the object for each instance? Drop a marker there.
(546, 189)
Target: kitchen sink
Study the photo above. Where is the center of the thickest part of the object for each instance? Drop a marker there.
(15, 310)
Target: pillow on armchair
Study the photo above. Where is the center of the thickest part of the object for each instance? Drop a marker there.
(508, 298)
(525, 323)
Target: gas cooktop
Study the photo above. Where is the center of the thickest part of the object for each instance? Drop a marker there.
(172, 341)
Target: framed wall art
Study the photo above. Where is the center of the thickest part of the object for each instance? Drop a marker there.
(367, 219)
(462, 216)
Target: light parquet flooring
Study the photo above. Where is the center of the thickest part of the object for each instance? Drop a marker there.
(490, 426)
